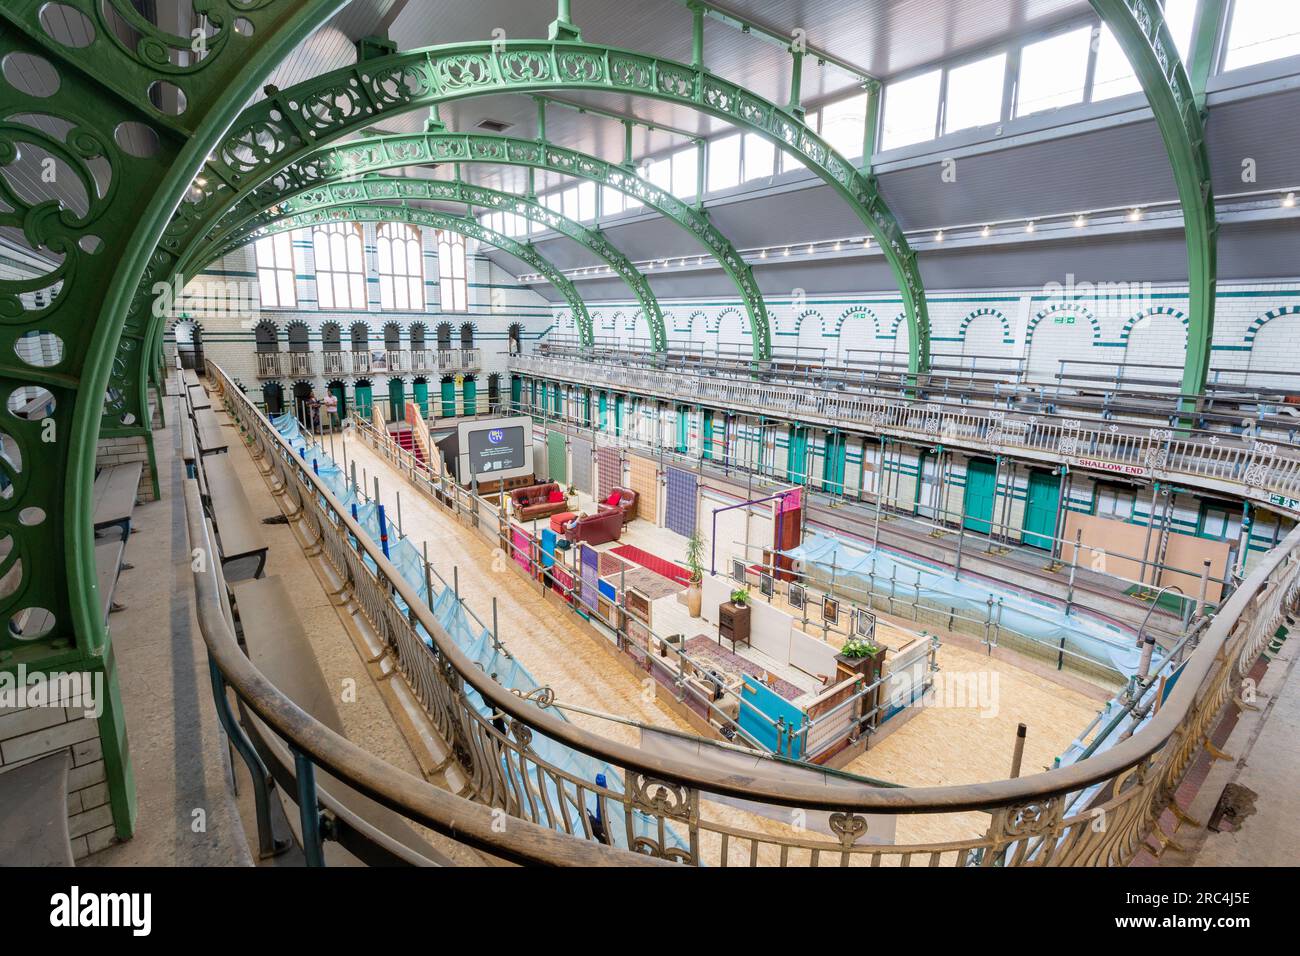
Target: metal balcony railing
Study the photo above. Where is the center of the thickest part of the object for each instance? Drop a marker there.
(333, 363)
(667, 806)
(458, 360)
(300, 363)
(268, 365)
(422, 360)
(360, 363)
(1267, 471)
(396, 360)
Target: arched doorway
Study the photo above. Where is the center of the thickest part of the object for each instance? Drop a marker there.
(444, 336)
(360, 337)
(340, 393)
(302, 395)
(362, 397)
(469, 395)
(330, 337)
(266, 337)
(189, 344)
(421, 388)
(396, 400)
(467, 336)
(494, 391)
(448, 386)
(298, 337)
(515, 339)
(273, 398)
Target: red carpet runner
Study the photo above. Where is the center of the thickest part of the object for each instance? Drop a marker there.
(655, 563)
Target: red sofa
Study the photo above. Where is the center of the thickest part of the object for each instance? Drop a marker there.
(627, 503)
(598, 528)
(534, 502)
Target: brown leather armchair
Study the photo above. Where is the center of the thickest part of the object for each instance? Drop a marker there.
(598, 528)
(534, 502)
(627, 503)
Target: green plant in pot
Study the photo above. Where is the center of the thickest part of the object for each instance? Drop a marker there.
(858, 648)
(740, 597)
(695, 562)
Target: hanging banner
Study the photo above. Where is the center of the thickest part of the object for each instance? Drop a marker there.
(590, 577)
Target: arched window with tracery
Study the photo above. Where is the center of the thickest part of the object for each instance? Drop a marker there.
(401, 268)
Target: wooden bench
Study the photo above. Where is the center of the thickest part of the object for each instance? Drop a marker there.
(239, 533)
(114, 495)
(34, 824)
(108, 565)
(191, 378)
(278, 646)
(211, 436)
(199, 398)
(189, 445)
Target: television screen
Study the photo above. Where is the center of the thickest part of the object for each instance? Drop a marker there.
(493, 450)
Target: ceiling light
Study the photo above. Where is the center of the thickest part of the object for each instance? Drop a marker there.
(1289, 201)
(938, 236)
(1080, 221)
(786, 251)
(699, 261)
(866, 242)
(810, 248)
(985, 232)
(1135, 215)
(1029, 226)
(837, 245)
(763, 254)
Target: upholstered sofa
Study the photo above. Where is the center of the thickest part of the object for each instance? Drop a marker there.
(627, 503)
(534, 502)
(598, 528)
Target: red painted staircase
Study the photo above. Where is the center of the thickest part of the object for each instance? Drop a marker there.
(406, 438)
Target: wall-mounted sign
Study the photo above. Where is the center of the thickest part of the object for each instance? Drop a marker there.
(1136, 471)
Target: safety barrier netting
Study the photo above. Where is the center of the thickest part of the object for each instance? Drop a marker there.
(477, 643)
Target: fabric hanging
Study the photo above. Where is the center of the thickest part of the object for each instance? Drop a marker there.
(610, 468)
(680, 506)
(643, 479)
(556, 457)
(580, 475)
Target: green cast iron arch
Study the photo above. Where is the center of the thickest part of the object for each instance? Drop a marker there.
(134, 161)
(290, 124)
(438, 220)
(381, 188)
(1140, 28)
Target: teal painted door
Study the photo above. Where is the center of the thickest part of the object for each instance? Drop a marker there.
(618, 414)
(448, 398)
(516, 392)
(796, 464)
(603, 408)
(836, 452)
(1041, 509)
(683, 431)
(341, 397)
(708, 433)
(396, 400)
(586, 408)
(469, 395)
(978, 504)
(364, 398)
(422, 397)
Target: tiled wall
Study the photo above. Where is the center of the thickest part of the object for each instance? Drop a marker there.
(1257, 327)
(496, 301)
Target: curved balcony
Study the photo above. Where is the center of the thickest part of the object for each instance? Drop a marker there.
(1046, 818)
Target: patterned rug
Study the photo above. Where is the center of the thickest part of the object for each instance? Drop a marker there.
(704, 648)
(672, 572)
(610, 565)
(654, 586)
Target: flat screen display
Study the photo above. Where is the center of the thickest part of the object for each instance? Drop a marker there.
(493, 450)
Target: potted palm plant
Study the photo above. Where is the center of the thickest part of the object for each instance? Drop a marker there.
(695, 563)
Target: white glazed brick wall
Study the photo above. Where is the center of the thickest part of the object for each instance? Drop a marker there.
(29, 733)
(116, 451)
(1257, 327)
(496, 301)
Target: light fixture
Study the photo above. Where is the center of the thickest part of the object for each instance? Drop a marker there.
(1289, 200)
(1029, 226)
(763, 254)
(866, 242)
(938, 236)
(786, 251)
(1080, 221)
(699, 261)
(200, 181)
(985, 232)
(1135, 215)
(837, 245)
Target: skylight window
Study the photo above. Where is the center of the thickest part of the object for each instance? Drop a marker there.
(1262, 30)
(843, 123)
(975, 93)
(1113, 75)
(685, 172)
(1054, 72)
(911, 110)
(1180, 15)
(724, 162)
(760, 157)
